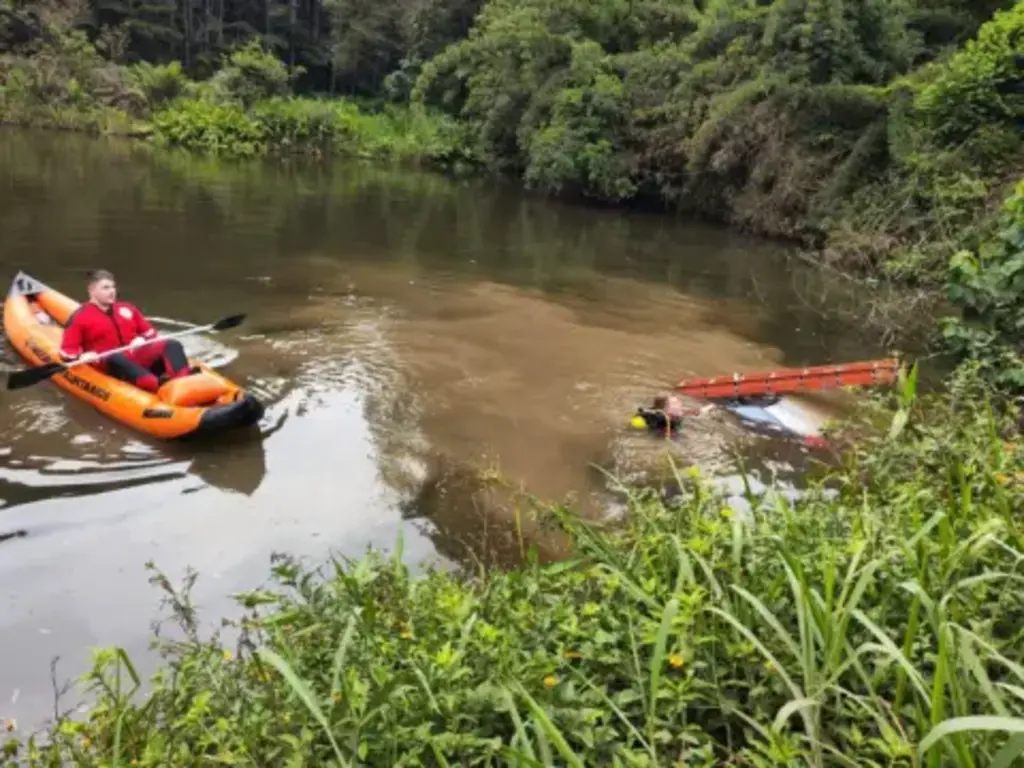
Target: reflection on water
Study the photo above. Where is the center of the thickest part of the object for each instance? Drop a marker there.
(404, 330)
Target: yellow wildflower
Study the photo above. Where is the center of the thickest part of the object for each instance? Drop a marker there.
(406, 635)
(675, 660)
(550, 681)
(227, 655)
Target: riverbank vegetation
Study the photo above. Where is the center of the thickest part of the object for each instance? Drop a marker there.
(876, 621)
(880, 133)
(986, 285)
(247, 109)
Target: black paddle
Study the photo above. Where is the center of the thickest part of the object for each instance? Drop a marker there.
(29, 376)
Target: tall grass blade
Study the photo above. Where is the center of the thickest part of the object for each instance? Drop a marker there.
(977, 669)
(1016, 690)
(425, 685)
(339, 657)
(439, 756)
(549, 728)
(305, 695)
(709, 574)
(848, 601)
(684, 575)
(888, 648)
(658, 658)
(769, 618)
(791, 708)
(1010, 725)
(518, 757)
(623, 718)
(521, 735)
(768, 655)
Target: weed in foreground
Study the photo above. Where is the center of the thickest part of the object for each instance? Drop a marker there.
(879, 626)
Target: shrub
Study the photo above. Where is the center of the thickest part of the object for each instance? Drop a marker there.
(159, 83)
(987, 287)
(209, 127)
(977, 97)
(299, 123)
(251, 74)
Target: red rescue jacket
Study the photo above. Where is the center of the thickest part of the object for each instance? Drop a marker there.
(90, 329)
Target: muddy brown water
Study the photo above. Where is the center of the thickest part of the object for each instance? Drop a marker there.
(405, 331)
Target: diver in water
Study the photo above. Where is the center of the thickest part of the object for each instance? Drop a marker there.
(665, 415)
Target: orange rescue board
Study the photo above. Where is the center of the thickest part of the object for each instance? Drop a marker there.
(34, 315)
(792, 380)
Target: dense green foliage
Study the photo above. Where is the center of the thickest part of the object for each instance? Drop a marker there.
(879, 129)
(988, 285)
(880, 625)
(246, 108)
(791, 118)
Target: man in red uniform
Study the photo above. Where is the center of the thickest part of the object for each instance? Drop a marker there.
(103, 323)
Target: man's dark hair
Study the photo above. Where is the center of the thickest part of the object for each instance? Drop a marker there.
(98, 274)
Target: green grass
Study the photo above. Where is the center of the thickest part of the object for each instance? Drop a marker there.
(282, 125)
(310, 126)
(880, 625)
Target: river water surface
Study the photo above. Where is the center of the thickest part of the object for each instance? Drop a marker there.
(399, 324)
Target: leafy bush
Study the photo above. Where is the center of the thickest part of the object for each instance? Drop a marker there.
(66, 72)
(807, 119)
(283, 125)
(988, 288)
(251, 74)
(209, 127)
(291, 123)
(977, 97)
(577, 139)
(159, 83)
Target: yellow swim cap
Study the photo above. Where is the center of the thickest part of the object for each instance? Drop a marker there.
(638, 422)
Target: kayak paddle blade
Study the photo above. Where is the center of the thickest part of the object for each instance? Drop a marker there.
(30, 376)
(228, 322)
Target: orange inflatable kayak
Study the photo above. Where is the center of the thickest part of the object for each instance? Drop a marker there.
(203, 403)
